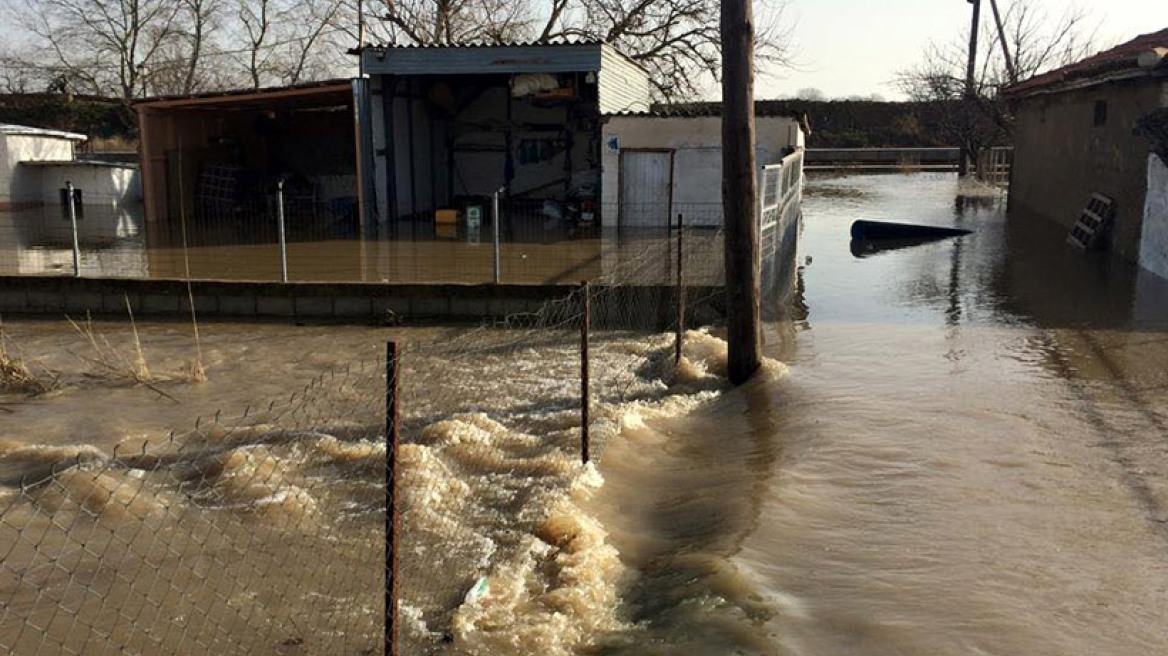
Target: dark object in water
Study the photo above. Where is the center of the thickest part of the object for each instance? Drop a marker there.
(902, 231)
(868, 247)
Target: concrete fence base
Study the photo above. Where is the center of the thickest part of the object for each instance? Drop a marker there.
(348, 302)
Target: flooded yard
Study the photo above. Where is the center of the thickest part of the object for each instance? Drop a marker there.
(958, 447)
(115, 242)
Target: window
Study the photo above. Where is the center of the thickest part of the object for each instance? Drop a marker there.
(1100, 113)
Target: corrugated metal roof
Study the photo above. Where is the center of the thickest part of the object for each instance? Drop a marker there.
(480, 57)
(341, 84)
(29, 131)
(762, 108)
(1124, 57)
(488, 44)
(700, 109)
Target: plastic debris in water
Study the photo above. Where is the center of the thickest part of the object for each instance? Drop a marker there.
(477, 591)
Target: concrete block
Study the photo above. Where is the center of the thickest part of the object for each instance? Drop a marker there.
(46, 301)
(468, 307)
(504, 307)
(237, 306)
(115, 303)
(13, 300)
(382, 307)
(82, 302)
(275, 306)
(160, 303)
(429, 306)
(208, 305)
(314, 306)
(353, 307)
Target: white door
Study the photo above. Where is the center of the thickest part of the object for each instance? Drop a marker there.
(646, 187)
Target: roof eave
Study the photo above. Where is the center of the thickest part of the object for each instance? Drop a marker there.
(1079, 83)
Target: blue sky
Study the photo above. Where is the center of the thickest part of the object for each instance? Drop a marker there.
(856, 46)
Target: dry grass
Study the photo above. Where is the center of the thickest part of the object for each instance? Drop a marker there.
(113, 364)
(109, 361)
(17, 377)
(198, 373)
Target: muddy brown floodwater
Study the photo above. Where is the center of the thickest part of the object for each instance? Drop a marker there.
(954, 448)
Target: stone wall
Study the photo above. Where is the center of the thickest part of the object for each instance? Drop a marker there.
(1062, 156)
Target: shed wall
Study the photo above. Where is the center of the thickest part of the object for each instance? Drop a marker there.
(99, 183)
(20, 184)
(1061, 157)
(623, 86)
(697, 162)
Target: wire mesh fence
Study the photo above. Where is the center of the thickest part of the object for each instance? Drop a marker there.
(278, 528)
(297, 237)
(245, 534)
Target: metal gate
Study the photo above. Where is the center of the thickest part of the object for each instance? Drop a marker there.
(646, 188)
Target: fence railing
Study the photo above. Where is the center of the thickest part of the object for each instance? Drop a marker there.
(781, 187)
(245, 533)
(993, 165)
(346, 516)
(293, 235)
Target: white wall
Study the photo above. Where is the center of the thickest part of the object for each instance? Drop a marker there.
(99, 183)
(21, 184)
(1154, 236)
(697, 161)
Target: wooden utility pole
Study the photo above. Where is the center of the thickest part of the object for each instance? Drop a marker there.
(739, 193)
(1010, 70)
(970, 73)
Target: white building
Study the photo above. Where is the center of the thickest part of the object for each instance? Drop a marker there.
(569, 123)
(35, 163)
(661, 163)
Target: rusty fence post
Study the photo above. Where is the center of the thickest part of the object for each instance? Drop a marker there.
(392, 368)
(496, 219)
(585, 400)
(71, 199)
(280, 228)
(680, 288)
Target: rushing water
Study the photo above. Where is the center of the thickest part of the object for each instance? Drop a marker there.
(954, 448)
(966, 456)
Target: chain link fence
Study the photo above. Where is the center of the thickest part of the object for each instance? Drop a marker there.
(250, 534)
(290, 235)
(278, 530)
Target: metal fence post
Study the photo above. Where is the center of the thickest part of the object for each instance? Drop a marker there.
(391, 518)
(585, 400)
(280, 224)
(680, 288)
(70, 199)
(496, 219)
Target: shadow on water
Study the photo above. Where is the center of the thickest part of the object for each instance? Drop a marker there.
(681, 496)
(862, 248)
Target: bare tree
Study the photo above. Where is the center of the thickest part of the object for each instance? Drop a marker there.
(1037, 41)
(450, 21)
(810, 93)
(106, 46)
(185, 63)
(308, 24)
(202, 16)
(256, 18)
(677, 41)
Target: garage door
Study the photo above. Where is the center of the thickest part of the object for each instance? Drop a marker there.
(646, 187)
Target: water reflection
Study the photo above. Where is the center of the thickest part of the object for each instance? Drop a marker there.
(39, 241)
(973, 438)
